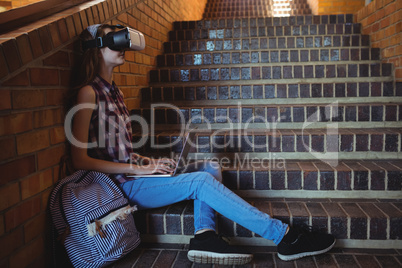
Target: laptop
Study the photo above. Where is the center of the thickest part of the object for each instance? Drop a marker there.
(180, 162)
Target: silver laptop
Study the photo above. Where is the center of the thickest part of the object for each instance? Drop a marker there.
(180, 162)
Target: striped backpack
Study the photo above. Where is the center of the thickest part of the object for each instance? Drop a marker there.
(92, 219)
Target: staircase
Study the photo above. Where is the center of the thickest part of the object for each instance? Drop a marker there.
(300, 112)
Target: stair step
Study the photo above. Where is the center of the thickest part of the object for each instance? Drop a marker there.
(346, 55)
(277, 177)
(351, 221)
(155, 255)
(253, 8)
(245, 14)
(265, 21)
(293, 30)
(264, 73)
(270, 115)
(252, 113)
(263, 43)
(288, 144)
(280, 93)
(242, 2)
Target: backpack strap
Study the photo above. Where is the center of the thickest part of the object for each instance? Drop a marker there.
(60, 258)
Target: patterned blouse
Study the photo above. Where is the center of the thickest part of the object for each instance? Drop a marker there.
(110, 130)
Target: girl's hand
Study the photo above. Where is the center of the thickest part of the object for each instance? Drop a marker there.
(139, 159)
(168, 162)
(157, 168)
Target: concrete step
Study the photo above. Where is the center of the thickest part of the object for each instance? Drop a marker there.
(280, 93)
(263, 43)
(251, 8)
(303, 116)
(277, 177)
(264, 21)
(156, 255)
(266, 31)
(264, 73)
(246, 14)
(330, 144)
(230, 56)
(363, 223)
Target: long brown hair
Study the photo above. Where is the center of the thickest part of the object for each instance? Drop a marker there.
(86, 67)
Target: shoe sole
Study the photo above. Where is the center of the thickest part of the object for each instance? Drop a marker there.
(207, 257)
(304, 254)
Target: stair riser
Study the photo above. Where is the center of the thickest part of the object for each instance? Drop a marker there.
(265, 73)
(245, 44)
(239, 14)
(304, 143)
(368, 221)
(255, 8)
(274, 92)
(271, 115)
(313, 55)
(321, 29)
(261, 22)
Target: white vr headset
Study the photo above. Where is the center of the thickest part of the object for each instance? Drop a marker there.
(126, 38)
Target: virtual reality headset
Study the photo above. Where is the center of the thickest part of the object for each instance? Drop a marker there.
(126, 38)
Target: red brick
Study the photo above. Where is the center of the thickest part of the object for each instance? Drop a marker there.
(398, 74)
(36, 184)
(70, 27)
(23, 99)
(20, 79)
(64, 37)
(50, 157)
(89, 15)
(35, 227)
(60, 58)
(105, 10)
(57, 135)
(7, 146)
(9, 196)
(11, 54)
(45, 39)
(371, 19)
(384, 22)
(2, 228)
(44, 77)
(65, 78)
(35, 43)
(84, 19)
(24, 48)
(21, 213)
(49, 117)
(3, 64)
(54, 97)
(15, 123)
(5, 100)
(11, 242)
(28, 254)
(77, 23)
(101, 13)
(32, 141)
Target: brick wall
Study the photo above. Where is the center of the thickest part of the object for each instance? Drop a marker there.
(35, 67)
(382, 20)
(326, 7)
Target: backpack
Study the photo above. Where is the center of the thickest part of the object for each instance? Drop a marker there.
(92, 219)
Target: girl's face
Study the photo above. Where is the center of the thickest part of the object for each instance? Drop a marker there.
(111, 57)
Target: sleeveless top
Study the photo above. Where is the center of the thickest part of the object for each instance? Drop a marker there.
(110, 132)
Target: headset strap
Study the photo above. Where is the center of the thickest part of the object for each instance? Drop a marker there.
(100, 41)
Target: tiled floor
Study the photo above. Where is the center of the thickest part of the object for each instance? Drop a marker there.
(163, 255)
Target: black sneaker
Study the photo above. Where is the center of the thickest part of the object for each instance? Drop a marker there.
(210, 248)
(301, 243)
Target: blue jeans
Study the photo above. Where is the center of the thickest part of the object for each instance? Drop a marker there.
(202, 183)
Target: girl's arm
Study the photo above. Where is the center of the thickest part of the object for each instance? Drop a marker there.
(80, 158)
